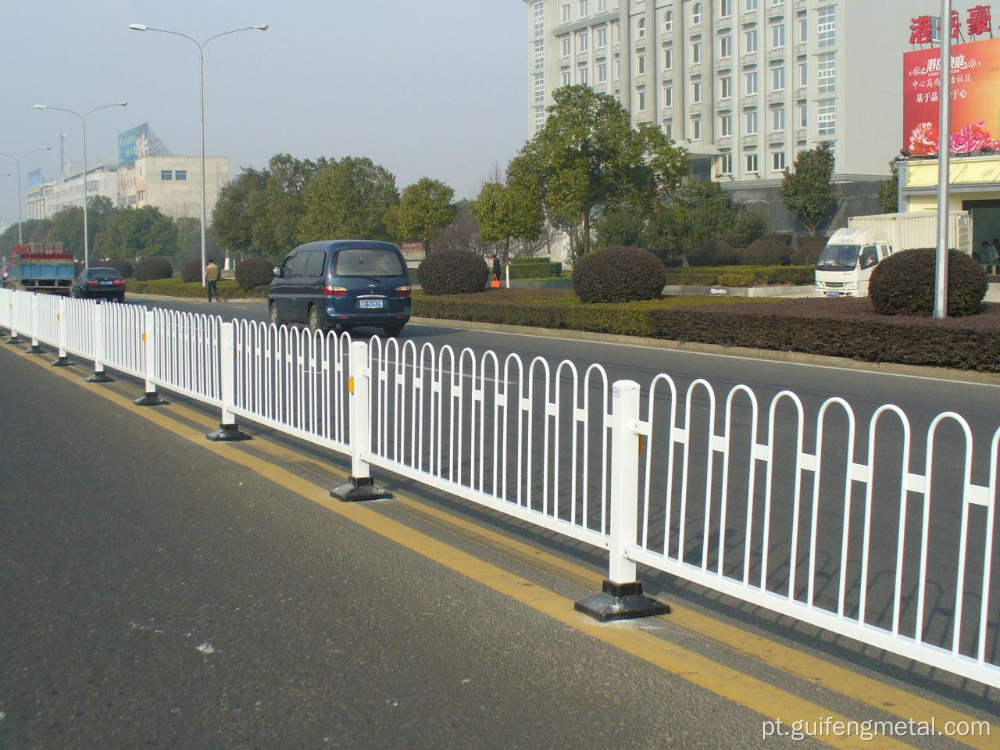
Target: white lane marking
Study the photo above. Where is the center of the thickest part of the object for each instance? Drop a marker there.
(723, 356)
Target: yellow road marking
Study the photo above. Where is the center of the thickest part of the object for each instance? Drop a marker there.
(717, 678)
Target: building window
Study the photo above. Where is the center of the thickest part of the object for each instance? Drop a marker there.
(725, 8)
(539, 119)
(581, 41)
(803, 115)
(602, 72)
(616, 67)
(640, 29)
(726, 87)
(602, 6)
(567, 78)
(778, 119)
(750, 79)
(668, 130)
(826, 29)
(750, 122)
(583, 8)
(696, 14)
(696, 92)
(778, 78)
(826, 111)
(583, 74)
(726, 125)
(725, 47)
(640, 96)
(750, 5)
(140, 195)
(180, 174)
(695, 128)
(668, 59)
(668, 21)
(803, 30)
(565, 13)
(640, 64)
(668, 96)
(615, 33)
(539, 16)
(826, 73)
(726, 164)
(750, 40)
(751, 163)
(539, 54)
(803, 73)
(602, 37)
(778, 161)
(166, 174)
(539, 88)
(567, 46)
(696, 53)
(778, 35)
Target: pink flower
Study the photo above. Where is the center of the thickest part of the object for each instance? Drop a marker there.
(972, 139)
(924, 139)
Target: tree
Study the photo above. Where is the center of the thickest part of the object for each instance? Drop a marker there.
(508, 212)
(349, 198)
(136, 234)
(33, 230)
(462, 233)
(808, 192)
(888, 190)
(424, 207)
(237, 210)
(587, 156)
(67, 228)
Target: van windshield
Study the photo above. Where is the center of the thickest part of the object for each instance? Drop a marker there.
(838, 258)
(364, 261)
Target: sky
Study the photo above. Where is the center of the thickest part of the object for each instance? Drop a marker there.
(426, 88)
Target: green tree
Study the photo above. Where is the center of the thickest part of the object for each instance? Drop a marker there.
(587, 156)
(33, 230)
(620, 226)
(349, 198)
(809, 192)
(189, 240)
(888, 190)
(238, 209)
(424, 207)
(136, 234)
(67, 228)
(507, 212)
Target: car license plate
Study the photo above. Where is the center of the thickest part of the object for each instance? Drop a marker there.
(372, 304)
(833, 294)
(106, 283)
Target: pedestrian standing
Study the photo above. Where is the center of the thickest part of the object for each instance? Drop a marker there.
(212, 275)
(496, 267)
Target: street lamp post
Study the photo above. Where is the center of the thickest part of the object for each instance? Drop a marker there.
(201, 56)
(83, 119)
(20, 221)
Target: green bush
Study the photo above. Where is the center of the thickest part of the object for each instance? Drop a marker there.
(527, 261)
(191, 270)
(453, 272)
(619, 274)
(808, 250)
(153, 268)
(741, 276)
(717, 252)
(122, 266)
(254, 273)
(228, 288)
(767, 251)
(903, 284)
(535, 270)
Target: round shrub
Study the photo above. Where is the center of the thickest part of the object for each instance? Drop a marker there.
(254, 272)
(453, 272)
(808, 250)
(715, 252)
(191, 270)
(152, 269)
(903, 284)
(619, 274)
(121, 266)
(766, 251)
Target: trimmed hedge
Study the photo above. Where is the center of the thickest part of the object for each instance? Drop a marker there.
(228, 289)
(743, 276)
(767, 251)
(808, 250)
(840, 328)
(121, 266)
(619, 274)
(903, 284)
(543, 270)
(151, 269)
(453, 272)
(191, 270)
(254, 273)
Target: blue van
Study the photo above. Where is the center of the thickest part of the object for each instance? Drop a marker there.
(342, 284)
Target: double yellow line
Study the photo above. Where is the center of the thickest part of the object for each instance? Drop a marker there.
(755, 694)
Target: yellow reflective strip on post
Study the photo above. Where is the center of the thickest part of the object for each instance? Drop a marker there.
(350, 385)
(642, 445)
(144, 338)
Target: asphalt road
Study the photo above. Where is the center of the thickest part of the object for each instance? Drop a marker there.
(155, 594)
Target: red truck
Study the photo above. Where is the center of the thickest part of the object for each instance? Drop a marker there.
(39, 267)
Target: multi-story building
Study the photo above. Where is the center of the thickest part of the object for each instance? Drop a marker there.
(172, 183)
(51, 197)
(743, 85)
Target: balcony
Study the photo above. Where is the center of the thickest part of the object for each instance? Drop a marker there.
(776, 54)
(801, 134)
(748, 60)
(776, 138)
(775, 11)
(722, 24)
(748, 141)
(749, 100)
(777, 97)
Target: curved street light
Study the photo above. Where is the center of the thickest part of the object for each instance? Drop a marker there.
(201, 56)
(83, 119)
(20, 221)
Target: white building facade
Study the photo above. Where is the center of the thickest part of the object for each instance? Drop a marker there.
(55, 195)
(172, 184)
(743, 85)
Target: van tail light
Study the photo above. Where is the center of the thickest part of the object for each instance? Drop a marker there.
(403, 291)
(93, 282)
(119, 282)
(334, 291)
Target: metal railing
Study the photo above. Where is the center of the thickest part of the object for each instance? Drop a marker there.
(804, 514)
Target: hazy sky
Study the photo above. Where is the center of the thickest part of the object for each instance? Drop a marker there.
(423, 87)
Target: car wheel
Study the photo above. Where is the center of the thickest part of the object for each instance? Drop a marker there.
(120, 298)
(273, 310)
(314, 324)
(393, 331)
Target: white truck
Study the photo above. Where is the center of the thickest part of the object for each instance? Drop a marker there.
(845, 266)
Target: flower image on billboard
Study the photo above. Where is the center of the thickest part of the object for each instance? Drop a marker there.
(975, 94)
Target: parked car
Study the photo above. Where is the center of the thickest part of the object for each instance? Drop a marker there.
(343, 284)
(99, 283)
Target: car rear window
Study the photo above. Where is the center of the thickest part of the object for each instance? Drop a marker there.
(364, 261)
(103, 273)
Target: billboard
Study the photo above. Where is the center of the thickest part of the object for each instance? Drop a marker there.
(133, 144)
(34, 181)
(975, 98)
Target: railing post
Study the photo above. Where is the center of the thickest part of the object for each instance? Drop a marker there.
(35, 348)
(14, 338)
(61, 335)
(228, 430)
(99, 375)
(360, 485)
(622, 597)
(150, 397)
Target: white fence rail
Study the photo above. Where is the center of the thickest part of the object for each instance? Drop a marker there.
(862, 528)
